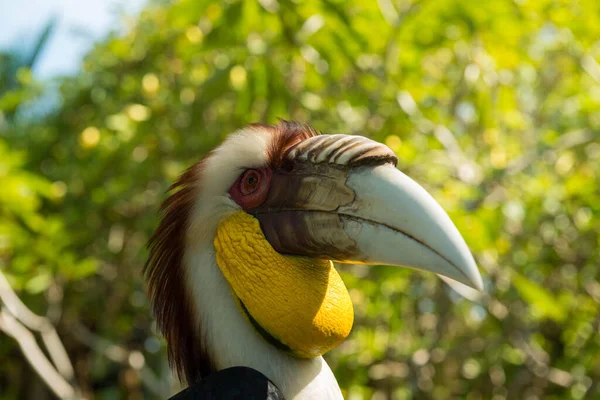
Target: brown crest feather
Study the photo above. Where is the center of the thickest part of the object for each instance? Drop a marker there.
(164, 269)
(287, 134)
(165, 272)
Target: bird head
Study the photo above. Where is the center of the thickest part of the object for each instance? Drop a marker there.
(276, 206)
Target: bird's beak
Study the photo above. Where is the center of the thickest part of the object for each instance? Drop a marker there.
(353, 206)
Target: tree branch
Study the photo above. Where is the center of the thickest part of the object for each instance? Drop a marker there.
(35, 357)
(34, 322)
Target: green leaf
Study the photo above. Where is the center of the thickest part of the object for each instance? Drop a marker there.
(543, 301)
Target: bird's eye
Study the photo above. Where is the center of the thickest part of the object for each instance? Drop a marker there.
(250, 182)
(251, 187)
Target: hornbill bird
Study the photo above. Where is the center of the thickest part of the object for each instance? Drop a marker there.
(240, 271)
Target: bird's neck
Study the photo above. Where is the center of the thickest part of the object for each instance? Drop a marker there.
(232, 341)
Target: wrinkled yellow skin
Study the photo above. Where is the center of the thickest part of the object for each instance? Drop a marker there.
(301, 302)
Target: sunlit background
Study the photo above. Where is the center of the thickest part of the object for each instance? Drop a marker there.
(493, 106)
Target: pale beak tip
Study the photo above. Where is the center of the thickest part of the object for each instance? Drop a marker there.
(474, 277)
(465, 263)
(478, 282)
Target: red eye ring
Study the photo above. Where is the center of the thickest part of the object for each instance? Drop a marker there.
(252, 187)
(250, 182)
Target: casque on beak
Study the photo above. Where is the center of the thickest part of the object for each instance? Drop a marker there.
(340, 197)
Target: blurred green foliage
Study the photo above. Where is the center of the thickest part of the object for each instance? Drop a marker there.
(493, 106)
